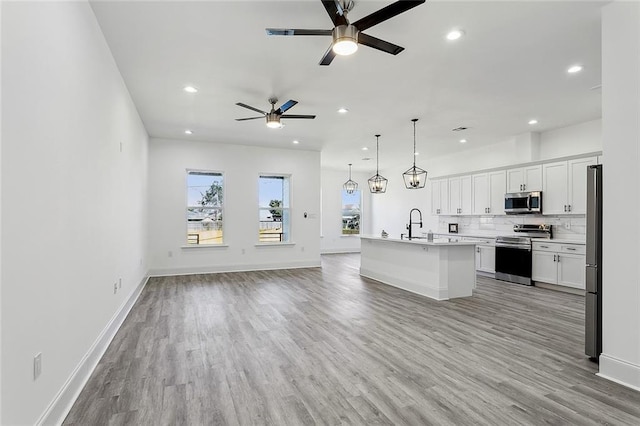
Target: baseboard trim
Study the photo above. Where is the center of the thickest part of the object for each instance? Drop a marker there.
(59, 408)
(619, 371)
(168, 272)
(340, 251)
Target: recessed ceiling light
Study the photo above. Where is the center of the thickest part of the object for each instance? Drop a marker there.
(463, 141)
(534, 121)
(296, 142)
(188, 132)
(190, 89)
(574, 69)
(365, 149)
(343, 110)
(454, 34)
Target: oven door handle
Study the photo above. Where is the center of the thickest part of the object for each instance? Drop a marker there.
(529, 202)
(511, 246)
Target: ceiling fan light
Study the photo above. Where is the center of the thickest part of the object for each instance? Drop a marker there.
(273, 121)
(345, 40)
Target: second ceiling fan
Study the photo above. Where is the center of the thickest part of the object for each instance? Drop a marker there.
(347, 36)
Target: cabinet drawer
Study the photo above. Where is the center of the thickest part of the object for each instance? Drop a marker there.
(544, 246)
(573, 248)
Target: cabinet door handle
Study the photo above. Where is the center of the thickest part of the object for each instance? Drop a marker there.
(544, 246)
(571, 248)
(478, 249)
(558, 259)
(488, 209)
(569, 207)
(520, 187)
(565, 207)
(554, 257)
(524, 186)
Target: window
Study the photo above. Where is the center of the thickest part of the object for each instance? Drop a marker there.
(274, 209)
(351, 213)
(205, 195)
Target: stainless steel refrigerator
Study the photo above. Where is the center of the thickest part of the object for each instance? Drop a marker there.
(593, 305)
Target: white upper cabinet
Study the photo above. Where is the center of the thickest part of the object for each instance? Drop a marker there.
(524, 179)
(554, 191)
(488, 193)
(577, 186)
(439, 196)
(497, 189)
(565, 186)
(460, 197)
(480, 201)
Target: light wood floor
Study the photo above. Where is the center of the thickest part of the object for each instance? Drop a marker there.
(325, 346)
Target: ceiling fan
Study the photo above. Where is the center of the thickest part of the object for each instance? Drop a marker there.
(273, 117)
(346, 35)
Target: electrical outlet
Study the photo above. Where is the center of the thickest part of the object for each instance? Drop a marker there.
(567, 224)
(115, 288)
(37, 365)
(170, 253)
(119, 283)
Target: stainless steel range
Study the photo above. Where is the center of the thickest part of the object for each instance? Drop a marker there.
(513, 253)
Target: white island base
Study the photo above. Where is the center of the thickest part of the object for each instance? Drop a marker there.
(439, 269)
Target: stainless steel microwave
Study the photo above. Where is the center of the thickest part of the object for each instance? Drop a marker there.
(523, 202)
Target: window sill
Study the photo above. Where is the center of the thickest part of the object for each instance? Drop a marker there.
(350, 236)
(278, 244)
(204, 246)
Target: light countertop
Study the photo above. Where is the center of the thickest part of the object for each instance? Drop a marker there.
(452, 241)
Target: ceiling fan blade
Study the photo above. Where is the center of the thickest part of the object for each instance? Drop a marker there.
(250, 107)
(297, 32)
(376, 43)
(332, 9)
(385, 13)
(298, 116)
(285, 106)
(249, 118)
(328, 56)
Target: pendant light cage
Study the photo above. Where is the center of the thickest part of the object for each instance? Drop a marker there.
(350, 186)
(414, 177)
(377, 183)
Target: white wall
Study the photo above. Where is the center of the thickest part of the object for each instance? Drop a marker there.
(242, 165)
(620, 360)
(579, 139)
(73, 204)
(332, 240)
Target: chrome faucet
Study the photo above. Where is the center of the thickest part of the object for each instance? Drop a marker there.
(409, 226)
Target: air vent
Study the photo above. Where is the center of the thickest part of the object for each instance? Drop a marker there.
(459, 129)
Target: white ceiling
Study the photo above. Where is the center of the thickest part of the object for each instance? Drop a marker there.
(510, 67)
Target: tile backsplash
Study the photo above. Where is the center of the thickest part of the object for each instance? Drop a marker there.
(564, 227)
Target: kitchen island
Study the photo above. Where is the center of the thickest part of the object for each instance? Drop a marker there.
(440, 269)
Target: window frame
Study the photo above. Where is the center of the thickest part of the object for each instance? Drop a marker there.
(289, 241)
(222, 243)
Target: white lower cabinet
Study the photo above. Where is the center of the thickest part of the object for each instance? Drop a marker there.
(561, 264)
(486, 258)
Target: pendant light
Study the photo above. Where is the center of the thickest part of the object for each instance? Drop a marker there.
(415, 177)
(350, 186)
(377, 184)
